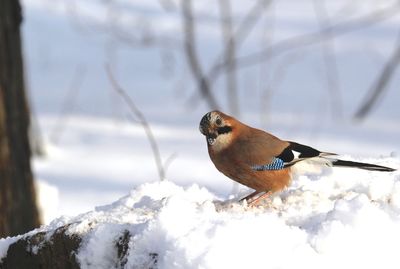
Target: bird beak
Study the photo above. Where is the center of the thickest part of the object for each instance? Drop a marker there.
(205, 129)
(204, 125)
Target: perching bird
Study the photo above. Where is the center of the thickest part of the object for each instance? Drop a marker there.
(260, 160)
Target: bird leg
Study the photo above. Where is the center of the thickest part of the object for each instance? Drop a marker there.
(253, 200)
(250, 196)
(258, 199)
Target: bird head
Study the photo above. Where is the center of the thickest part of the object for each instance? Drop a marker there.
(216, 127)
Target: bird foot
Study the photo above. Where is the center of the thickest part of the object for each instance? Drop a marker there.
(255, 198)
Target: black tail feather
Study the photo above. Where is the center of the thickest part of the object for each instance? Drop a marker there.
(365, 166)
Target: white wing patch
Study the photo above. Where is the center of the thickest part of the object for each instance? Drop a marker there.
(296, 154)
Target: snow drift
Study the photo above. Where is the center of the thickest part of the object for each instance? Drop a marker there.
(344, 218)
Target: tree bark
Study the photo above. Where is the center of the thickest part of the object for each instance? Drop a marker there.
(60, 249)
(18, 211)
(37, 251)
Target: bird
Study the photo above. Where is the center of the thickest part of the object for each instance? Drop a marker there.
(262, 161)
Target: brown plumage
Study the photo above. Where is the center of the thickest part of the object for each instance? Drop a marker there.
(258, 159)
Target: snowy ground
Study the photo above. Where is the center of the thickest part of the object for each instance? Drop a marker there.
(335, 220)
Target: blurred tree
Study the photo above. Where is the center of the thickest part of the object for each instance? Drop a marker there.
(239, 32)
(18, 211)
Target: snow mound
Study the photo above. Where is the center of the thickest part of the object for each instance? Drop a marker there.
(344, 218)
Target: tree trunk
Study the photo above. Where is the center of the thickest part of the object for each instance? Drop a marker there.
(18, 212)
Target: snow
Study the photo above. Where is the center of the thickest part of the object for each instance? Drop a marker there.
(304, 228)
(330, 221)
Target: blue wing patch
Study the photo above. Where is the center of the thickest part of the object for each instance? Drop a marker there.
(276, 164)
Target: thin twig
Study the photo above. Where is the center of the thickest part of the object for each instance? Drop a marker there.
(241, 33)
(229, 55)
(250, 20)
(265, 77)
(381, 83)
(191, 54)
(303, 40)
(144, 36)
(141, 118)
(169, 160)
(329, 59)
(146, 39)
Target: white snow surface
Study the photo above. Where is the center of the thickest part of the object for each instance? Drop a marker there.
(335, 220)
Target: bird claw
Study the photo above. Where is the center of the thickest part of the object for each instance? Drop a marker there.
(252, 200)
(255, 198)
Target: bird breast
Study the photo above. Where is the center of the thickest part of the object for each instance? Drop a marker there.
(236, 163)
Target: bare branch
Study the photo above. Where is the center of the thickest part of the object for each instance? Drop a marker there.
(381, 83)
(229, 55)
(139, 35)
(307, 40)
(250, 19)
(169, 160)
(191, 54)
(328, 54)
(146, 39)
(243, 30)
(141, 118)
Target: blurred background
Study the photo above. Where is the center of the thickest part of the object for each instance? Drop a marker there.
(97, 72)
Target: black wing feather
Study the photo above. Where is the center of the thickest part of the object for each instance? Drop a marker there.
(304, 152)
(286, 155)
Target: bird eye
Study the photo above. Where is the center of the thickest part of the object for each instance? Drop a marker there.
(218, 121)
